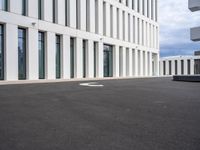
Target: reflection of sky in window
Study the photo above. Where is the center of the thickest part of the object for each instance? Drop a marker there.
(2, 4)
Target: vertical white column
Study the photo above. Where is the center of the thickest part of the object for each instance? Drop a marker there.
(167, 67)
(11, 53)
(100, 17)
(157, 64)
(72, 13)
(82, 14)
(32, 8)
(161, 68)
(114, 27)
(78, 62)
(145, 7)
(141, 6)
(100, 72)
(141, 63)
(136, 5)
(154, 10)
(50, 57)
(185, 67)
(116, 61)
(92, 15)
(126, 26)
(130, 62)
(148, 39)
(192, 67)
(131, 29)
(173, 67)
(150, 8)
(61, 11)
(150, 64)
(32, 54)
(136, 62)
(120, 25)
(144, 34)
(136, 30)
(48, 9)
(90, 61)
(179, 66)
(140, 31)
(15, 6)
(123, 62)
(130, 3)
(107, 19)
(146, 63)
(66, 57)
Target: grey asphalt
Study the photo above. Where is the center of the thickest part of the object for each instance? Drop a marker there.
(132, 114)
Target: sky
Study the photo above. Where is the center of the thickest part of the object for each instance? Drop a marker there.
(175, 22)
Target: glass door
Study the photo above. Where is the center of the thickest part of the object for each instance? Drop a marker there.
(108, 61)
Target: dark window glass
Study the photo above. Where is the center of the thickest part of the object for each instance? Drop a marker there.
(21, 54)
(72, 49)
(95, 58)
(197, 66)
(170, 67)
(176, 67)
(24, 7)
(108, 61)
(54, 11)
(182, 67)
(39, 9)
(84, 58)
(41, 48)
(4, 5)
(164, 68)
(58, 57)
(1, 53)
(188, 66)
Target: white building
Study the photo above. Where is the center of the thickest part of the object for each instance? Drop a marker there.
(180, 65)
(53, 39)
(194, 5)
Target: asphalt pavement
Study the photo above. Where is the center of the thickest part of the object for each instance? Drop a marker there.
(132, 114)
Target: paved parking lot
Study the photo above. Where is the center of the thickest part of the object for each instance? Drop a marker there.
(132, 114)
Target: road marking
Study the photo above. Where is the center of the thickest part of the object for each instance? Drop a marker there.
(91, 84)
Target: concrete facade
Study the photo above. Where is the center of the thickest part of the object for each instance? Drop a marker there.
(180, 65)
(129, 27)
(194, 5)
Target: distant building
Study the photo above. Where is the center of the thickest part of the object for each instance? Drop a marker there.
(180, 65)
(197, 53)
(194, 5)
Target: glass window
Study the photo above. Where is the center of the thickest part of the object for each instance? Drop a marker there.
(39, 9)
(182, 67)
(170, 67)
(72, 49)
(108, 61)
(197, 66)
(84, 58)
(58, 57)
(41, 48)
(176, 67)
(23, 7)
(54, 11)
(188, 66)
(4, 5)
(1, 53)
(164, 68)
(21, 54)
(95, 58)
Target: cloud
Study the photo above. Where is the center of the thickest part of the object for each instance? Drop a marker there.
(175, 22)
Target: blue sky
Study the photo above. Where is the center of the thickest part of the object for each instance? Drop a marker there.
(175, 22)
